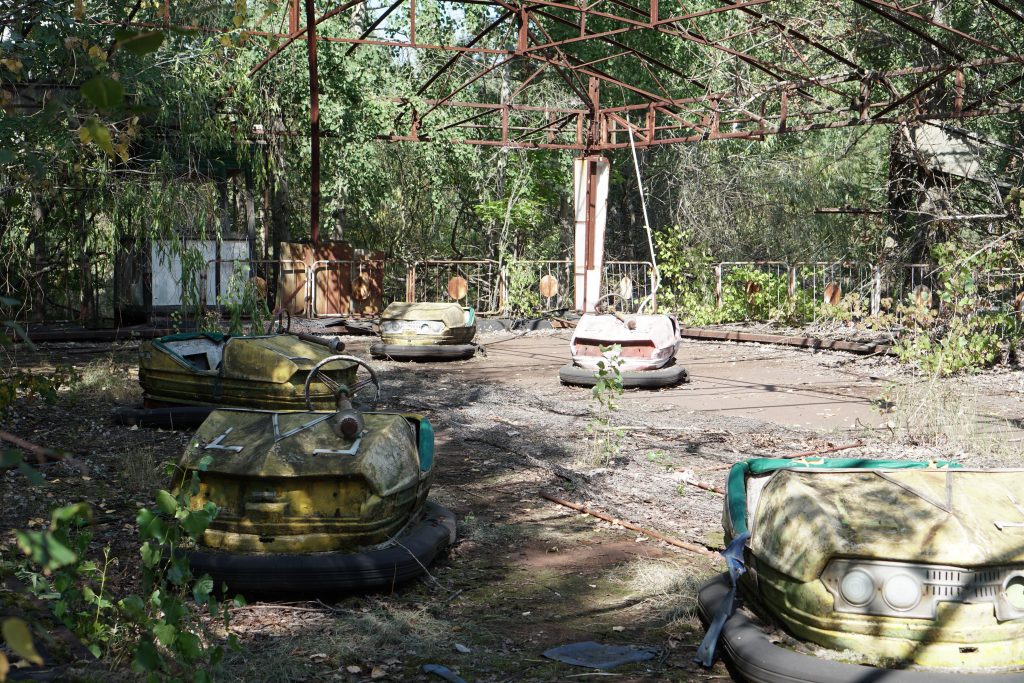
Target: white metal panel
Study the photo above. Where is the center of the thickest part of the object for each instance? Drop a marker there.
(233, 254)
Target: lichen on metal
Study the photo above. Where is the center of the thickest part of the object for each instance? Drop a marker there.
(265, 372)
(279, 488)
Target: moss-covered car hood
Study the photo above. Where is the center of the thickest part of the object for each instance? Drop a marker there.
(303, 445)
(452, 315)
(804, 517)
(273, 358)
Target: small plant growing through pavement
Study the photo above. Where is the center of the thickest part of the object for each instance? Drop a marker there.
(605, 437)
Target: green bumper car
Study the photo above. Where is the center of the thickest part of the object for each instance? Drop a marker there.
(316, 502)
(895, 571)
(426, 331)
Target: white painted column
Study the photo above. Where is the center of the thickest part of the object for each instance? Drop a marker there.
(590, 195)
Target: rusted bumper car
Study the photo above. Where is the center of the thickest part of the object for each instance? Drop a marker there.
(316, 502)
(185, 376)
(426, 331)
(848, 570)
(647, 342)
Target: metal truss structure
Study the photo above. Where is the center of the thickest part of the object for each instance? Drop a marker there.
(591, 76)
(711, 69)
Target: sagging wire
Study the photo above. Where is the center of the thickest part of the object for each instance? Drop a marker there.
(643, 206)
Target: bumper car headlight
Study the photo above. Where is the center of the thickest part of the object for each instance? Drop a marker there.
(915, 590)
(390, 326)
(430, 327)
(857, 587)
(902, 592)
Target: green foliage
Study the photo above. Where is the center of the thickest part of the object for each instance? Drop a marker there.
(605, 437)
(158, 628)
(523, 295)
(967, 333)
(243, 299)
(686, 285)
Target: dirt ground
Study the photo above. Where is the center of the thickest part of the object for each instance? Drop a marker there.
(526, 574)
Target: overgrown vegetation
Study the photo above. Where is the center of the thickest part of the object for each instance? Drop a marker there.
(160, 630)
(605, 437)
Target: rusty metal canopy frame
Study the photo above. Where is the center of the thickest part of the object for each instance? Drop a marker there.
(582, 75)
(592, 76)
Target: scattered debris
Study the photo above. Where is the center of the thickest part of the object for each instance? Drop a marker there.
(692, 547)
(598, 656)
(442, 672)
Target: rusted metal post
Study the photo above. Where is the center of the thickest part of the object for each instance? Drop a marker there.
(410, 283)
(412, 22)
(314, 127)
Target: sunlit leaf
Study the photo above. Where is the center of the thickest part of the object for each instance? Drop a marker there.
(19, 638)
(167, 503)
(99, 134)
(166, 634)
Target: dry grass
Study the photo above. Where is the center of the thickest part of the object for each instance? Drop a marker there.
(140, 471)
(946, 418)
(108, 380)
(279, 644)
(670, 589)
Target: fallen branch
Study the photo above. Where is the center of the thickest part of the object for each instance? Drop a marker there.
(688, 478)
(42, 454)
(577, 479)
(803, 454)
(692, 547)
(822, 451)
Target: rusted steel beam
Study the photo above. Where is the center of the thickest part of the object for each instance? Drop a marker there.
(872, 7)
(526, 82)
(639, 53)
(939, 25)
(299, 32)
(798, 35)
(373, 26)
(916, 91)
(451, 62)
(600, 75)
(322, 39)
(1006, 9)
(631, 25)
(546, 127)
(468, 83)
(784, 340)
(314, 127)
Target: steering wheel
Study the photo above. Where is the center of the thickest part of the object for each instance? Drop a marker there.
(276, 321)
(336, 387)
(599, 306)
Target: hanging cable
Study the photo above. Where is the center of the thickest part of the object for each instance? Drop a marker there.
(643, 206)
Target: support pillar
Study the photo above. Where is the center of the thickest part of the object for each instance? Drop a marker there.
(590, 193)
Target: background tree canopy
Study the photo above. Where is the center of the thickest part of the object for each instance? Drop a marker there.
(111, 136)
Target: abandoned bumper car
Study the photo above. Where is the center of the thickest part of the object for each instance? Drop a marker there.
(844, 570)
(184, 376)
(648, 347)
(426, 331)
(316, 502)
